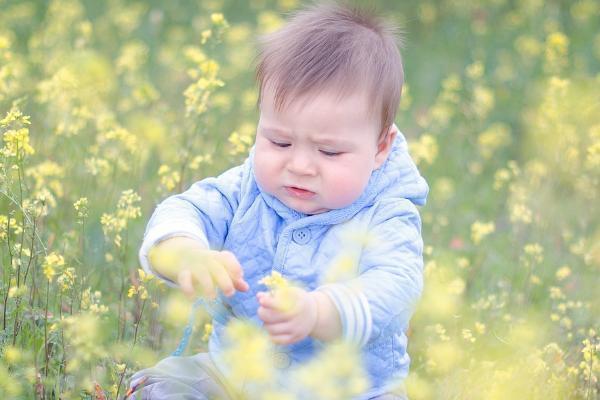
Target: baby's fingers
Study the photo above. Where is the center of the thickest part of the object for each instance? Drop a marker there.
(205, 283)
(234, 269)
(270, 316)
(221, 277)
(184, 278)
(267, 300)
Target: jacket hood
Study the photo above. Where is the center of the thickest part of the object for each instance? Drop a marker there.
(398, 178)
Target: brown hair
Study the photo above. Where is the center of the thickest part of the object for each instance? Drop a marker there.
(333, 46)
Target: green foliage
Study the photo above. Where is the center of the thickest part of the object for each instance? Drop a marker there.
(108, 107)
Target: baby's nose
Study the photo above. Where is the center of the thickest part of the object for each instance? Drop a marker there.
(301, 164)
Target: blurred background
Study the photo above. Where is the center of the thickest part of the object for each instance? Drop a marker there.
(108, 107)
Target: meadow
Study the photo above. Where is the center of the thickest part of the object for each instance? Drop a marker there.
(106, 108)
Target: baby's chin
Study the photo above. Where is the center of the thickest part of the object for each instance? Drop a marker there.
(305, 208)
(310, 211)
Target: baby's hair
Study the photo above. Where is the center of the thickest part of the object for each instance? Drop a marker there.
(332, 46)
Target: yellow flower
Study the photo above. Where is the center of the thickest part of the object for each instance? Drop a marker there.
(479, 230)
(205, 35)
(217, 18)
(468, 335)
(127, 205)
(463, 262)
(456, 286)
(12, 355)
(483, 100)
(275, 281)
(242, 139)
(144, 277)
(67, 279)
(168, 179)
(208, 328)
(17, 143)
(335, 373)
(133, 55)
(480, 328)
(51, 262)
(593, 156)
(120, 368)
(426, 149)
(194, 54)
(519, 212)
(556, 293)
(127, 208)
(81, 206)
(121, 136)
(14, 116)
(535, 252)
(205, 159)
(139, 290)
(247, 352)
(494, 137)
(97, 166)
(557, 45)
(475, 70)
(563, 273)
(132, 291)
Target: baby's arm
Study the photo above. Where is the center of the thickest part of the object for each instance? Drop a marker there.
(197, 270)
(390, 279)
(201, 215)
(329, 325)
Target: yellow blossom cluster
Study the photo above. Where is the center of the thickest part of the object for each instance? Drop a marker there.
(127, 209)
(479, 230)
(52, 263)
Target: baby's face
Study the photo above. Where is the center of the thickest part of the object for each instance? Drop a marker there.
(317, 155)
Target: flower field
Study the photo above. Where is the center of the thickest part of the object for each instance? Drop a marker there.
(106, 108)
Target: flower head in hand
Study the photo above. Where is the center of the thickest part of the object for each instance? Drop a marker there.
(289, 314)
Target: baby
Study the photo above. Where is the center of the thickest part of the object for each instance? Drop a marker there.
(328, 159)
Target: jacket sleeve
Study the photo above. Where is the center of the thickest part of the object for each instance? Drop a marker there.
(203, 212)
(390, 279)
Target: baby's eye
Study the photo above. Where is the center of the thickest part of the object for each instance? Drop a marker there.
(330, 153)
(279, 144)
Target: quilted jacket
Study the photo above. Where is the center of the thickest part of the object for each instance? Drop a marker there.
(380, 233)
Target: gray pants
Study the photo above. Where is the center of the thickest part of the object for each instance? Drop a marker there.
(190, 378)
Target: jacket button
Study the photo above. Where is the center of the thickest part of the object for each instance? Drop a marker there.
(301, 236)
(281, 360)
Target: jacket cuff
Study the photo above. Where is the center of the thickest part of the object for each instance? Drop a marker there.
(163, 232)
(354, 310)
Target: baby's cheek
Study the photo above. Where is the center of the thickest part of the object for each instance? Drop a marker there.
(345, 188)
(265, 174)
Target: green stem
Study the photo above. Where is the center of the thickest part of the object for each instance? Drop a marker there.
(46, 330)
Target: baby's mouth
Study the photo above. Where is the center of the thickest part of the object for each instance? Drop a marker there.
(299, 192)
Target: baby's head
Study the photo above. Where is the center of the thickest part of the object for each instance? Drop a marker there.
(329, 84)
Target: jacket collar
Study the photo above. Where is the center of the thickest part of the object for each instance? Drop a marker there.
(398, 177)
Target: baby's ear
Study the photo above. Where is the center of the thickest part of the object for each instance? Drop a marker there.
(385, 145)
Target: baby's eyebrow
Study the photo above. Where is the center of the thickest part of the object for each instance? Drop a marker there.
(275, 130)
(330, 141)
(320, 140)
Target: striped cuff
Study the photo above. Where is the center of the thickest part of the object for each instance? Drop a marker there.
(163, 232)
(354, 311)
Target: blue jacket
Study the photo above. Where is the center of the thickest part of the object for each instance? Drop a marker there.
(375, 303)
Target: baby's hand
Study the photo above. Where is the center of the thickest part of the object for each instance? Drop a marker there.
(196, 269)
(289, 314)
